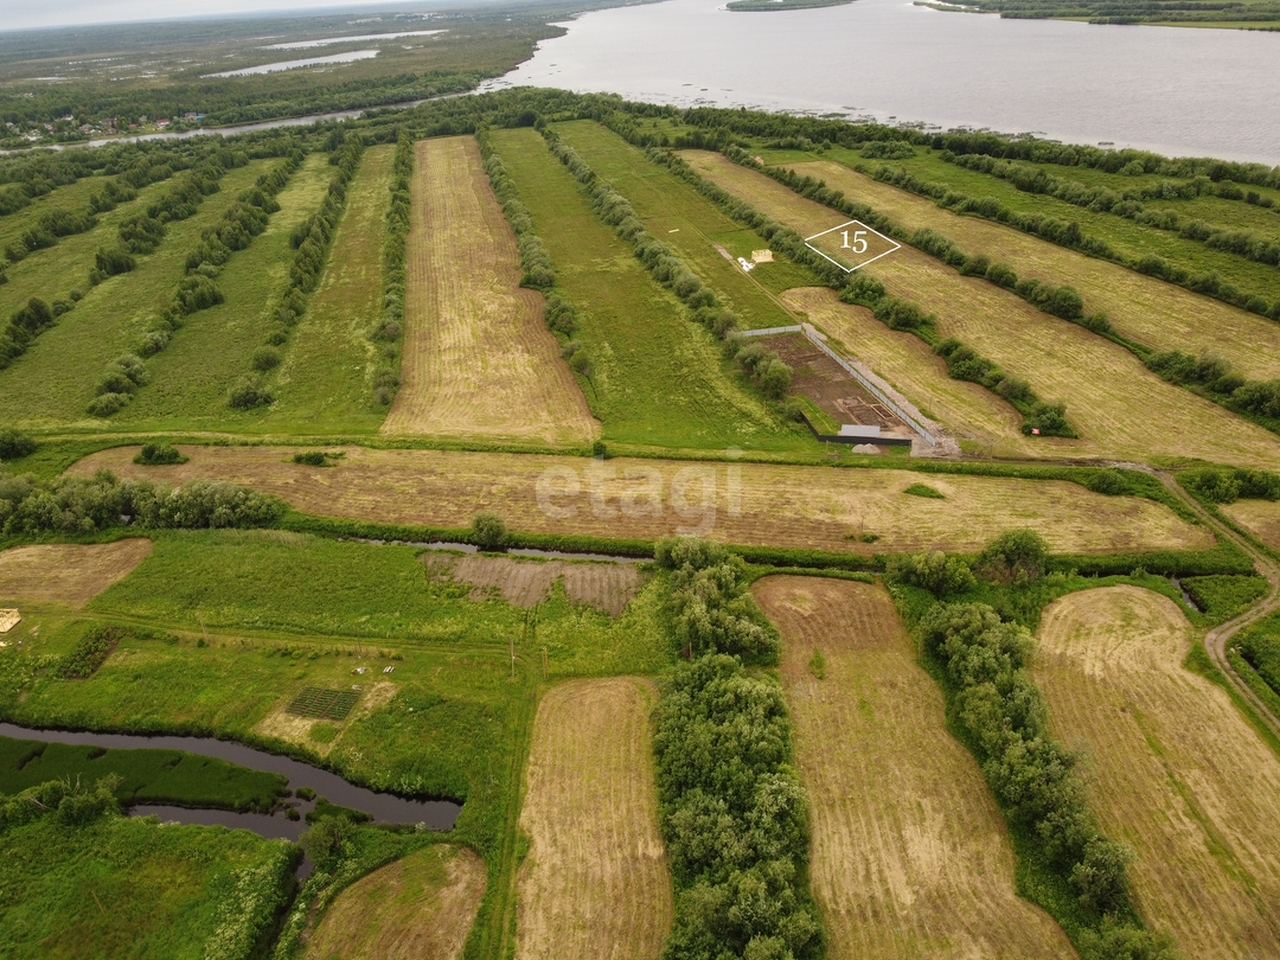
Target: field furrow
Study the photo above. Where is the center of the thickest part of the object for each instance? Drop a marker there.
(478, 357)
(910, 856)
(1119, 408)
(1177, 773)
(747, 503)
(595, 882)
(1159, 315)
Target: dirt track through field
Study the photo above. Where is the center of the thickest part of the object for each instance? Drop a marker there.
(1157, 314)
(595, 883)
(67, 573)
(910, 856)
(1120, 409)
(418, 908)
(747, 503)
(1177, 773)
(478, 357)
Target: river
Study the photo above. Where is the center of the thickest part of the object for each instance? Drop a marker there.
(1176, 91)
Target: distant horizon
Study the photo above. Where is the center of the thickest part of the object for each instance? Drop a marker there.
(70, 14)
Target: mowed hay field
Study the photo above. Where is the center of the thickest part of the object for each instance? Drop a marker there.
(910, 856)
(1259, 517)
(67, 573)
(1177, 773)
(325, 382)
(1159, 315)
(747, 503)
(908, 364)
(420, 907)
(1119, 408)
(595, 882)
(478, 357)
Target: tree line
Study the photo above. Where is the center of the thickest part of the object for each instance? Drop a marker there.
(733, 812)
(390, 329)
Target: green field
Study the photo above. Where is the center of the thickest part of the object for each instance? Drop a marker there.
(191, 376)
(70, 197)
(134, 888)
(54, 381)
(690, 224)
(660, 380)
(323, 384)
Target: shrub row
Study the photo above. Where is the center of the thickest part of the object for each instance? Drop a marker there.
(1001, 715)
(963, 363)
(1128, 203)
(90, 504)
(734, 817)
(310, 239)
(1048, 419)
(1213, 378)
(24, 326)
(1219, 485)
(762, 364)
(711, 609)
(1069, 234)
(89, 653)
(390, 328)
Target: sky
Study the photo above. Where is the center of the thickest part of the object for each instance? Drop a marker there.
(22, 14)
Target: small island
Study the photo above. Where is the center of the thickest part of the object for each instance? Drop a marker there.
(739, 6)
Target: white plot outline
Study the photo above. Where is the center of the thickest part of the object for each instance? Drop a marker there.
(896, 246)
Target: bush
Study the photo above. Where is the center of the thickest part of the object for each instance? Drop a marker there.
(488, 531)
(1014, 557)
(249, 392)
(158, 454)
(941, 575)
(14, 445)
(311, 458)
(266, 358)
(108, 403)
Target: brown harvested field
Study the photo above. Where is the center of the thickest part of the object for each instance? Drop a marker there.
(1120, 409)
(527, 583)
(1177, 773)
(595, 883)
(67, 573)
(908, 364)
(1259, 517)
(418, 908)
(478, 358)
(1158, 314)
(746, 503)
(910, 856)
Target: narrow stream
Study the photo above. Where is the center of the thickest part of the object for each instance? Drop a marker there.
(383, 808)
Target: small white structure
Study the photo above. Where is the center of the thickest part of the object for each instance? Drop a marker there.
(745, 265)
(9, 619)
(870, 431)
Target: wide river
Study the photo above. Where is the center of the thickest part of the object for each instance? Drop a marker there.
(1177, 91)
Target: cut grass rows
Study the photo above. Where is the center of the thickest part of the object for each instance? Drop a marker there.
(1158, 315)
(1177, 773)
(478, 358)
(659, 380)
(910, 855)
(1120, 409)
(54, 381)
(750, 503)
(595, 882)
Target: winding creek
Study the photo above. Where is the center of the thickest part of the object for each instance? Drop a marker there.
(383, 808)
